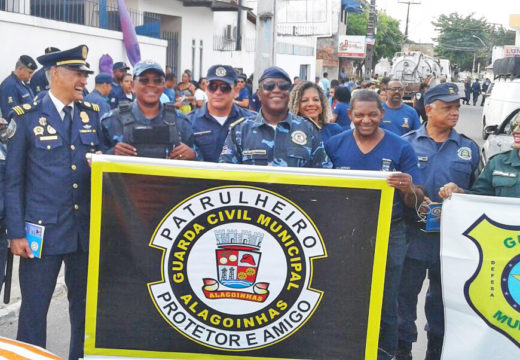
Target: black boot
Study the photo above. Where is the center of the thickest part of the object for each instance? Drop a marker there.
(404, 351)
(434, 348)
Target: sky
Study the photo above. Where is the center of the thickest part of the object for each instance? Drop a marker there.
(420, 28)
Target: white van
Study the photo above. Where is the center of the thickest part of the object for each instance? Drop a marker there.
(503, 96)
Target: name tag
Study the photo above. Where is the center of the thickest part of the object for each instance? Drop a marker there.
(48, 138)
(423, 158)
(254, 152)
(86, 130)
(202, 133)
(502, 173)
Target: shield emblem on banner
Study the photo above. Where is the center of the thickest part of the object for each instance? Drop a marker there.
(237, 266)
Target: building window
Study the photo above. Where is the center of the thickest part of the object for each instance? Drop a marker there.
(71, 11)
(304, 72)
(193, 49)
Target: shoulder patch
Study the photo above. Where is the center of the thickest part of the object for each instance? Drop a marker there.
(235, 123)
(95, 107)
(24, 108)
(313, 122)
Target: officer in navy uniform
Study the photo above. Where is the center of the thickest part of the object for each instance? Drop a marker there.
(444, 156)
(275, 136)
(146, 127)
(48, 184)
(100, 93)
(39, 80)
(211, 122)
(14, 90)
(119, 70)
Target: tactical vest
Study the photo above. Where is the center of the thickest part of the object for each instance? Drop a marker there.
(155, 141)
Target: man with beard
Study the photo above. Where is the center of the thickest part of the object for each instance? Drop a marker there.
(275, 136)
(399, 117)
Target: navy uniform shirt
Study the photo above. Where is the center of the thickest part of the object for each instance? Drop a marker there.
(455, 160)
(39, 81)
(209, 135)
(294, 142)
(391, 154)
(13, 92)
(114, 95)
(48, 176)
(401, 120)
(113, 128)
(3, 154)
(95, 97)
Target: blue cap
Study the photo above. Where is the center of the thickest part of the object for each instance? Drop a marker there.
(103, 78)
(28, 62)
(446, 92)
(242, 76)
(223, 73)
(275, 72)
(120, 66)
(75, 58)
(145, 65)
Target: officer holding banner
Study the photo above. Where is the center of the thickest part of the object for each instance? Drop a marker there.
(48, 195)
(275, 136)
(444, 155)
(146, 127)
(500, 177)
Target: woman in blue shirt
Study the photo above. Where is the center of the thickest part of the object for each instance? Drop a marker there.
(340, 112)
(308, 99)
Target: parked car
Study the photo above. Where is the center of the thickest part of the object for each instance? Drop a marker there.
(499, 137)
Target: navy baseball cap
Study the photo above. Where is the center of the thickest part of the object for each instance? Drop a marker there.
(103, 78)
(223, 73)
(120, 66)
(145, 65)
(28, 62)
(275, 72)
(242, 76)
(446, 92)
(75, 59)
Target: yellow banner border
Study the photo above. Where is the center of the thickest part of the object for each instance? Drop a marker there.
(378, 270)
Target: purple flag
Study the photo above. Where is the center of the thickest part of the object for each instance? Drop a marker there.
(129, 35)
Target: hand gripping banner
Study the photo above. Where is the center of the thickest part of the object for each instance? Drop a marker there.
(209, 261)
(480, 260)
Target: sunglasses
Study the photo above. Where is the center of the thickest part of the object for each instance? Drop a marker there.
(224, 88)
(270, 85)
(146, 81)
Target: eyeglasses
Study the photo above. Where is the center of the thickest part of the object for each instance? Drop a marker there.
(224, 88)
(396, 89)
(145, 81)
(270, 85)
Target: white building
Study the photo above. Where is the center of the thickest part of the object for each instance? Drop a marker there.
(187, 34)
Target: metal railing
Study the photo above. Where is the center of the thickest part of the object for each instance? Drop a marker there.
(83, 12)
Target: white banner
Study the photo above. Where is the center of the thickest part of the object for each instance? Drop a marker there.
(480, 260)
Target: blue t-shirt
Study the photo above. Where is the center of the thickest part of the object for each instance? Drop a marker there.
(391, 154)
(401, 120)
(341, 109)
(170, 93)
(329, 130)
(243, 94)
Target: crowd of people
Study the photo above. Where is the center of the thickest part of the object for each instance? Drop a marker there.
(318, 124)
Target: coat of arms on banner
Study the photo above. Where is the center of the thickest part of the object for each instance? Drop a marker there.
(237, 268)
(238, 262)
(493, 291)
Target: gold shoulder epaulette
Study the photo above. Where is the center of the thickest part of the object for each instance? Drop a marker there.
(235, 123)
(18, 110)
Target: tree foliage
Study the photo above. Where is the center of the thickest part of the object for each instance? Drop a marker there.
(388, 36)
(458, 39)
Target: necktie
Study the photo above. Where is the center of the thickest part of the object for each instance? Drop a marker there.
(67, 121)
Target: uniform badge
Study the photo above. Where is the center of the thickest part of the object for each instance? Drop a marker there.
(51, 130)
(405, 123)
(42, 121)
(87, 104)
(386, 164)
(38, 130)
(220, 71)
(10, 99)
(418, 96)
(26, 106)
(84, 117)
(464, 153)
(84, 52)
(299, 137)
(493, 291)
(87, 126)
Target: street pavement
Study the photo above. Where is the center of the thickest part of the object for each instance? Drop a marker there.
(58, 320)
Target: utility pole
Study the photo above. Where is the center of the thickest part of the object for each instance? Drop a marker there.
(408, 2)
(371, 31)
(265, 37)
